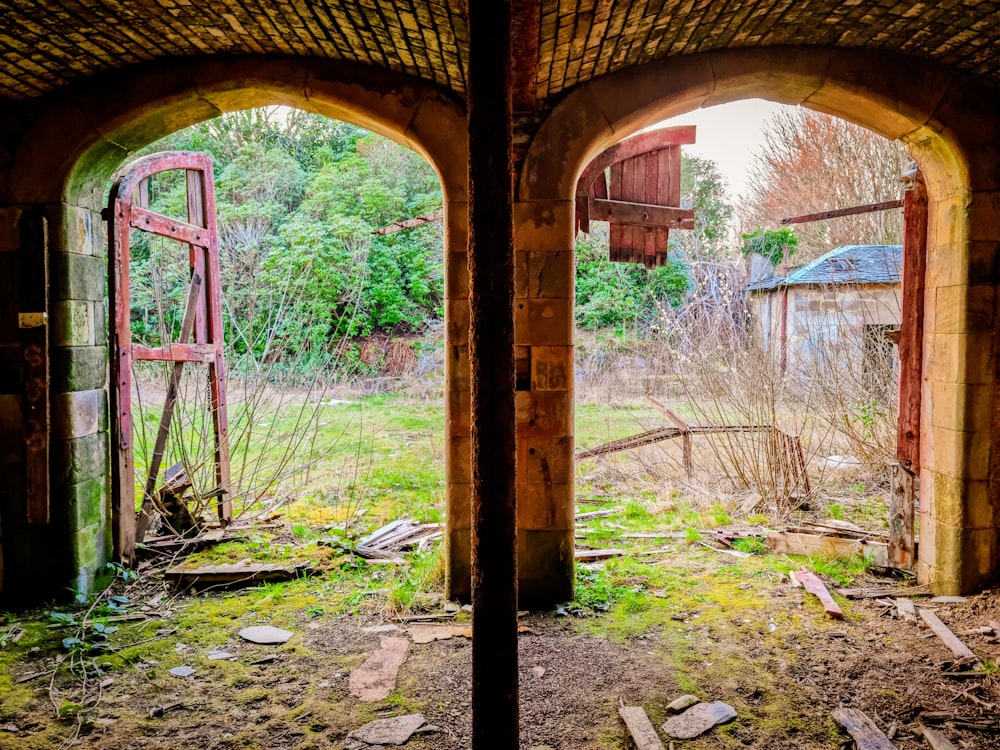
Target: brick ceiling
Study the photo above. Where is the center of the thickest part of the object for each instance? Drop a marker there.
(45, 44)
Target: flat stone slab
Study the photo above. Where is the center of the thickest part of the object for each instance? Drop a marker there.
(685, 701)
(376, 678)
(392, 731)
(265, 635)
(182, 671)
(699, 719)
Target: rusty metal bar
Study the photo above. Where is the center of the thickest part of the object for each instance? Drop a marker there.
(839, 212)
(491, 355)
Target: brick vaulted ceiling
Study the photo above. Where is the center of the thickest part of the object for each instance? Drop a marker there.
(46, 44)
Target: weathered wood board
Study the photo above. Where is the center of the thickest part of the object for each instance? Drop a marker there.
(862, 729)
(786, 543)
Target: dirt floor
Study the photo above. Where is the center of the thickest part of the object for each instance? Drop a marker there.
(764, 647)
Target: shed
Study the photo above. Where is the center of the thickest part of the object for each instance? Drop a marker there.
(843, 306)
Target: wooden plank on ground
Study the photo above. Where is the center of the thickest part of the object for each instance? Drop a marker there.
(788, 543)
(640, 727)
(598, 513)
(814, 586)
(590, 555)
(942, 631)
(230, 573)
(878, 592)
(866, 735)
(906, 610)
(936, 740)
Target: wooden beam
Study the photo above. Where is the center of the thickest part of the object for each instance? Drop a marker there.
(943, 632)
(639, 727)
(839, 212)
(641, 214)
(164, 226)
(491, 357)
(911, 329)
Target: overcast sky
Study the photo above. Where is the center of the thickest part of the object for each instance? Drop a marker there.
(729, 134)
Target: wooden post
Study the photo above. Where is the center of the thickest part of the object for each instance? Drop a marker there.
(491, 354)
(34, 335)
(911, 332)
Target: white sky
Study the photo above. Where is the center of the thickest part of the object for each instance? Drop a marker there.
(729, 135)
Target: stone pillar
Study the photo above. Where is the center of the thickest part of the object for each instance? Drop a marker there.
(543, 339)
(959, 449)
(80, 473)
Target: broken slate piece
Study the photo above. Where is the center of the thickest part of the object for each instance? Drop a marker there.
(392, 731)
(699, 719)
(685, 701)
(948, 600)
(376, 678)
(182, 671)
(265, 635)
(215, 655)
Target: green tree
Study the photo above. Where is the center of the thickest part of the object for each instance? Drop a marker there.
(770, 243)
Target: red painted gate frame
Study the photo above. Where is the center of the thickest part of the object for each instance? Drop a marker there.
(201, 235)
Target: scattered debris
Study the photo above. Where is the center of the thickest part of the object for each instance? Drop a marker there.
(948, 600)
(814, 586)
(699, 719)
(216, 655)
(399, 536)
(942, 631)
(879, 592)
(731, 552)
(538, 671)
(226, 574)
(866, 735)
(12, 728)
(265, 635)
(395, 730)
(376, 678)
(184, 671)
(265, 660)
(429, 632)
(679, 704)
(906, 610)
(937, 740)
(157, 711)
(639, 726)
(598, 513)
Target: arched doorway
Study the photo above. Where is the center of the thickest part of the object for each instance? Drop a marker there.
(896, 97)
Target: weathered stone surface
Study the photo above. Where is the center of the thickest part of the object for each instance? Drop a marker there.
(376, 678)
(699, 719)
(395, 730)
(679, 704)
(265, 634)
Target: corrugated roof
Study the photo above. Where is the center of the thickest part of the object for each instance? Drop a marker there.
(850, 264)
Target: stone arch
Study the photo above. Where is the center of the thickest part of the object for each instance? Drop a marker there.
(61, 168)
(949, 124)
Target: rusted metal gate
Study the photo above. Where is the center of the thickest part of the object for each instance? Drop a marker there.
(636, 186)
(202, 322)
